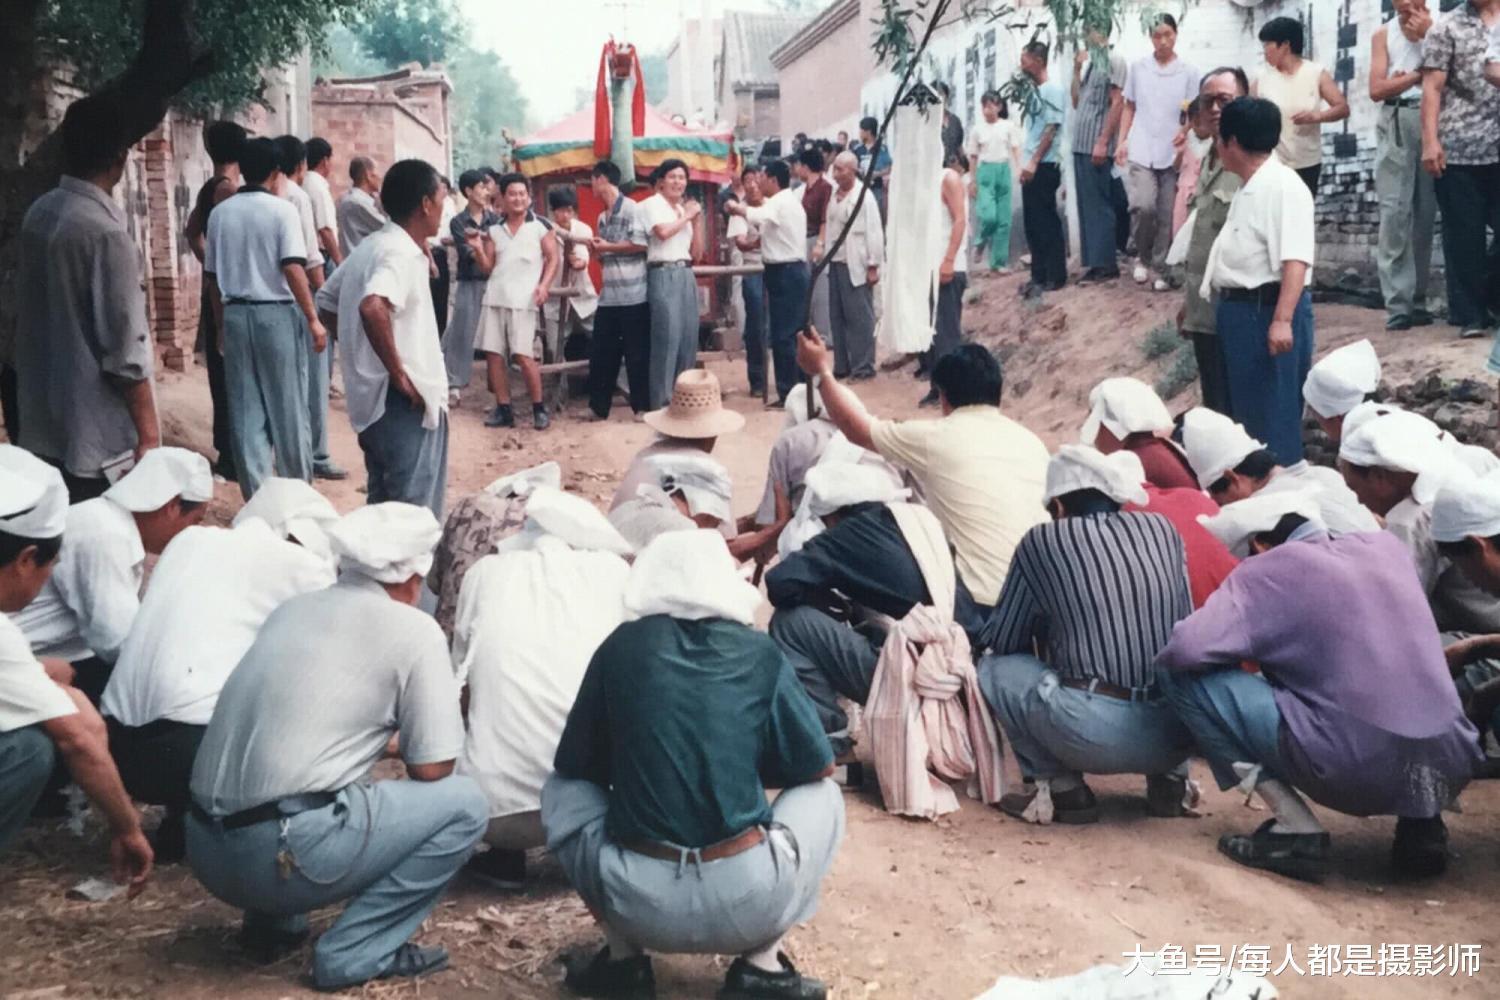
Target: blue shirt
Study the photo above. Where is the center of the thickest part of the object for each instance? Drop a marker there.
(1047, 107)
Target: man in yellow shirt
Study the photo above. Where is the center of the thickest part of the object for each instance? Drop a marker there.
(981, 473)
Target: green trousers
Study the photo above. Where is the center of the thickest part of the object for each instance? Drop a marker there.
(993, 181)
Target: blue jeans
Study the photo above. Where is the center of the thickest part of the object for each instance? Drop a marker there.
(265, 370)
(1096, 212)
(1233, 718)
(27, 757)
(1056, 731)
(753, 291)
(389, 847)
(406, 461)
(1265, 393)
(786, 285)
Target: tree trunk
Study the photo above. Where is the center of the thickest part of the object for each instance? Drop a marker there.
(171, 57)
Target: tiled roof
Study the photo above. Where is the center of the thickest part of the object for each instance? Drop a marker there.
(749, 40)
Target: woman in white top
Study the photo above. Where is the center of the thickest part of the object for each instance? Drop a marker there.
(1298, 87)
(994, 148)
(1408, 204)
(673, 241)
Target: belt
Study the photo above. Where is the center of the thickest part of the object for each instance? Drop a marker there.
(1265, 293)
(738, 844)
(275, 809)
(666, 263)
(257, 302)
(782, 263)
(1095, 686)
(1404, 102)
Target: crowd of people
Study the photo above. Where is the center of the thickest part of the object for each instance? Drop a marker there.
(594, 682)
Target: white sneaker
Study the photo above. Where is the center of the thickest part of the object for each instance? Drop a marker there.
(1140, 274)
(454, 397)
(1160, 285)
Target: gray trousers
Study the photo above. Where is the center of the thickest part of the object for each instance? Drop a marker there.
(319, 376)
(1152, 194)
(458, 338)
(265, 368)
(851, 321)
(673, 295)
(1408, 210)
(389, 847)
(831, 659)
(1057, 731)
(726, 907)
(819, 317)
(27, 757)
(404, 460)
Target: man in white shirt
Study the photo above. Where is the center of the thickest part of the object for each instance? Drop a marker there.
(86, 610)
(395, 383)
(325, 213)
(284, 819)
(1259, 264)
(256, 257)
(42, 719)
(783, 246)
(359, 214)
(853, 271)
(746, 240)
(671, 290)
(529, 620)
(173, 665)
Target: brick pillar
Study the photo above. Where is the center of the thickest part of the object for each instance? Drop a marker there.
(161, 264)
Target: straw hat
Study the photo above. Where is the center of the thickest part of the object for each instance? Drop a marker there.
(697, 409)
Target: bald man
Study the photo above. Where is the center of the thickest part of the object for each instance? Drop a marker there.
(359, 213)
(853, 271)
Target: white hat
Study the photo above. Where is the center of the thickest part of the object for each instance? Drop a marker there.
(702, 481)
(574, 520)
(1343, 379)
(796, 404)
(387, 542)
(33, 498)
(696, 410)
(833, 486)
(521, 484)
(1236, 523)
(690, 575)
(1214, 444)
(292, 509)
(1467, 506)
(1081, 467)
(1363, 413)
(161, 475)
(1124, 406)
(1405, 442)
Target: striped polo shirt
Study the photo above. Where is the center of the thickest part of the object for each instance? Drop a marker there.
(624, 274)
(1100, 592)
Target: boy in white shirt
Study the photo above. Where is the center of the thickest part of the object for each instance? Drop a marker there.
(574, 237)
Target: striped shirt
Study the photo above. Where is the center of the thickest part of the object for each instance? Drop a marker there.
(1093, 101)
(1100, 592)
(624, 274)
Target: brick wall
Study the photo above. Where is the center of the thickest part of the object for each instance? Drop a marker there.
(823, 84)
(384, 120)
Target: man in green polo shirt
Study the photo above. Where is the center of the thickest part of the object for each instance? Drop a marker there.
(685, 715)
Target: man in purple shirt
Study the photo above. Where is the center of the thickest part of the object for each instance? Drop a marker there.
(1353, 705)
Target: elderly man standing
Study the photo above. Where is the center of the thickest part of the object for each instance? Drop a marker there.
(1103, 588)
(1099, 103)
(395, 382)
(88, 607)
(981, 472)
(530, 618)
(684, 716)
(41, 718)
(83, 355)
(853, 271)
(1352, 704)
(284, 818)
(358, 213)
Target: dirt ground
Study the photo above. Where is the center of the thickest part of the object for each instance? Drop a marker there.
(913, 909)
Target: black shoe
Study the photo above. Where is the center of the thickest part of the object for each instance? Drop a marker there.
(1076, 806)
(539, 418)
(329, 470)
(169, 842)
(1400, 322)
(411, 961)
(602, 976)
(1029, 290)
(224, 469)
(780, 404)
(1420, 849)
(1164, 795)
(1296, 855)
(499, 868)
(1098, 275)
(267, 946)
(1421, 317)
(500, 416)
(746, 981)
(931, 399)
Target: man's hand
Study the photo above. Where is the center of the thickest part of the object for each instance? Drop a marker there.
(945, 271)
(1101, 153)
(145, 444)
(1181, 322)
(735, 208)
(1080, 57)
(319, 335)
(403, 384)
(872, 275)
(692, 210)
(817, 252)
(812, 353)
(1279, 339)
(473, 239)
(1122, 155)
(539, 296)
(1434, 159)
(1027, 173)
(1307, 118)
(130, 860)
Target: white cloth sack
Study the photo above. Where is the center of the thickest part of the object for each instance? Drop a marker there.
(690, 575)
(551, 512)
(521, 484)
(912, 232)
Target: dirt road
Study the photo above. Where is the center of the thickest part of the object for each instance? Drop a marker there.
(913, 909)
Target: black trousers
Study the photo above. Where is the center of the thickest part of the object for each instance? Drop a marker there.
(620, 332)
(1044, 228)
(1212, 371)
(1121, 201)
(155, 761)
(80, 488)
(947, 323)
(10, 403)
(1310, 177)
(1469, 197)
(439, 286)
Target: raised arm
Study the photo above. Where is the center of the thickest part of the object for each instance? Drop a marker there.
(843, 406)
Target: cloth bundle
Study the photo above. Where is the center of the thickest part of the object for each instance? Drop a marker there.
(912, 232)
(690, 575)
